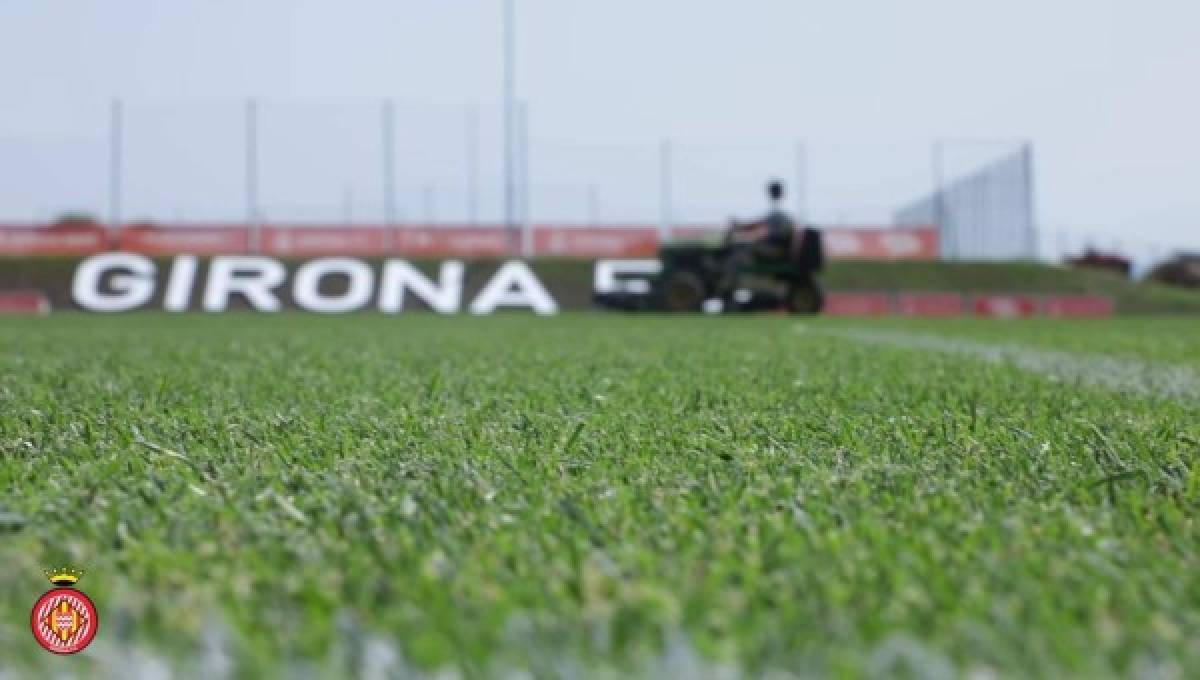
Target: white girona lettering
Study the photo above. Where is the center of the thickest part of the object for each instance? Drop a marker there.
(445, 297)
(130, 289)
(624, 276)
(306, 288)
(117, 282)
(179, 286)
(514, 285)
(253, 277)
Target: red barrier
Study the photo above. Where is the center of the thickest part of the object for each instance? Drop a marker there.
(857, 304)
(595, 241)
(51, 241)
(907, 243)
(458, 241)
(442, 241)
(193, 240)
(1083, 306)
(313, 241)
(297, 241)
(454, 241)
(23, 302)
(1005, 306)
(930, 304)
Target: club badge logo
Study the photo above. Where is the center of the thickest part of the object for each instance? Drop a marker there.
(64, 620)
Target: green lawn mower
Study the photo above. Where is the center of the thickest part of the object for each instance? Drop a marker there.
(729, 277)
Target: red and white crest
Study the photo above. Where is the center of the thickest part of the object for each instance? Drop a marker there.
(64, 621)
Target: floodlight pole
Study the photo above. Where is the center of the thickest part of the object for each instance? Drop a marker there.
(116, 167)
(510, 190)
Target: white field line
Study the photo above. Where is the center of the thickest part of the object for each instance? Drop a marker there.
(378, 658)
(1121, 374)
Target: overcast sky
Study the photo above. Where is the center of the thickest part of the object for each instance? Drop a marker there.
(1106, 90)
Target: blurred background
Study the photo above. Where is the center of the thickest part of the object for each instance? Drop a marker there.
(1019, 130)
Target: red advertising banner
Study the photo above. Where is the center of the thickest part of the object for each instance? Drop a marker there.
(857, 304)
(931, 304)
(23, 302)
(332, 240)
(919, 243)
(915, 243)
(1082, 306)
(193, 240)
(595, 241)
(1005, 306)
(51, 241)
(453, 241)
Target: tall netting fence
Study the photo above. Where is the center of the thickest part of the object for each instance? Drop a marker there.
(361, 162)
(983, 213)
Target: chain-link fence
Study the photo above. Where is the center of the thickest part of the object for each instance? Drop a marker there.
(347, 162)
(360, 161)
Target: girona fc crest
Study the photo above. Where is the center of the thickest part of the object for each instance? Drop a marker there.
(64, 620)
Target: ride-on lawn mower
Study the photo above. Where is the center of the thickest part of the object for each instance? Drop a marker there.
(725, 277)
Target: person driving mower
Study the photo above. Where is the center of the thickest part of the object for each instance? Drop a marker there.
(778, 259)
(768, 239)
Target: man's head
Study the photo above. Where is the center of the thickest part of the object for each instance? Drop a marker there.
(775, 190)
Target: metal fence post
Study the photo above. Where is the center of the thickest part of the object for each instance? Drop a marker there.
(949, 243)
(115, 170)
(509, 57)
(472, 165)
(389, 174)
(526, 188)
(1030, 217)
(252, 209)
(666, 218)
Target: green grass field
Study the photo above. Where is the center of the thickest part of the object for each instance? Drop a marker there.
(605, 495)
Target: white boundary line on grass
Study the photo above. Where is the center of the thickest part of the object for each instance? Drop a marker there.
(1122, 374)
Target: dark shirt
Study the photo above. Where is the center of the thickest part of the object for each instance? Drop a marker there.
(780, 227)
